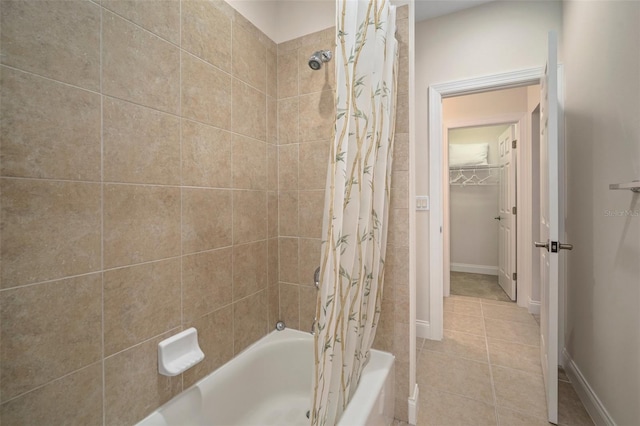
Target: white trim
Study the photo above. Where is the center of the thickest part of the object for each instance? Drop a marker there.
(474, 269)
(436, 241)
(413, 405)
(423, 329)
(590, 400)
(534, 307)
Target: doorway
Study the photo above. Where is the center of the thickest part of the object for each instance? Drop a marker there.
(481, 228)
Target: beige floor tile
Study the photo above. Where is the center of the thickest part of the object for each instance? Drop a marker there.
(515, 355)
(442, 408)
(464, 323)
(461, 306)
(507, 313)
(499, 303)
(570, 409)
(455, 375)
(519, 391)
(459, 344)
(518, 332)
(508, 417)
(465, 298)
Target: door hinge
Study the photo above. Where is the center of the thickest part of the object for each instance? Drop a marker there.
(515, 276)
(514, 143)
(514, 210)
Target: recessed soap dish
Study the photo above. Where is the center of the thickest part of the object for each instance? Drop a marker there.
(179, 353)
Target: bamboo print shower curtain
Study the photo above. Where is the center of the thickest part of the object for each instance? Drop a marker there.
(356, 203)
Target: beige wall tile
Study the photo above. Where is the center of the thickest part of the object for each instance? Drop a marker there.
(141, 145)
(249, 163)
(49, 330)
(273, 262)
(308, 302)
(206, 219)
(288, 213)
(141, 223)
(288, 249)
(59, 40)
(288, 121)
(133, 386)
(316, 116)
(249, 320)
(272, 73)
(206, 31)
(402, 12)
(249, 111)
(402, 113)
(272, 167)
(272, 212)
(314, 162)
(399, 227)
(48, 130)
(58, 401)
(249, 216)
(206, 155)
(206, 282)
(290, 305)
(215, 337)
(309, 259)
(152, 79)
(159, 17)
(249, 269)
(49, 230)
(273, 296)
(310, 212)
(249, 59)
(288, 167)
(206, 93)
(287, 74)
(272, 120)
(315, 81)
(401, 152)
(140, 302)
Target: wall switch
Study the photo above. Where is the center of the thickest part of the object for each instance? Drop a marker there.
(422, 202)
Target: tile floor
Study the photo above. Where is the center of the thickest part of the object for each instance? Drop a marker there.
(486, 370)
(477, 285)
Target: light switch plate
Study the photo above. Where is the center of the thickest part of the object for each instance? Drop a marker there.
(422, 202)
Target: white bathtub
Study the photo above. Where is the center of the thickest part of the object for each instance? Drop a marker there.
(270, 384)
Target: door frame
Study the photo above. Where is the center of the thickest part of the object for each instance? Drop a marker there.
(436, 178)
(518, 119)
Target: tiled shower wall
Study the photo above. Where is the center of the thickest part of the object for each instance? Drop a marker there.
(138, 198)
(305, 123)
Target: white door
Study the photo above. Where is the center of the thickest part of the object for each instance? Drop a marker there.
(551, 179)
(507, 212)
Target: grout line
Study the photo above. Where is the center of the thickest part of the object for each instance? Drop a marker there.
(493, 384)
(103, 366)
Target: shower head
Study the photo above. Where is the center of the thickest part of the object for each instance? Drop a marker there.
(318, 58)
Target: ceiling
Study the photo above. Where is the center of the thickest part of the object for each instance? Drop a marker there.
(427, 9)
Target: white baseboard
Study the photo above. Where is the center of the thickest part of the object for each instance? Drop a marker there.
(590, 400)
(423, 329)
(413, 406)
(474, 269)
(534, 307)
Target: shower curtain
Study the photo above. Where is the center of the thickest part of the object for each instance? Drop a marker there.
(356, 203)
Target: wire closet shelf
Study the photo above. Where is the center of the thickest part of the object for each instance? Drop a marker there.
(474, 175)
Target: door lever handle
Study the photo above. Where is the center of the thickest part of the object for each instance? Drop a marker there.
(542, 245)
(563, 246)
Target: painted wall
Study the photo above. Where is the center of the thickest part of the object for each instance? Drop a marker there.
(472, 209)
(602, 62)
(492, 38)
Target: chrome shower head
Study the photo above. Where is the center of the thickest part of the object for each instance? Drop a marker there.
(318, 58)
